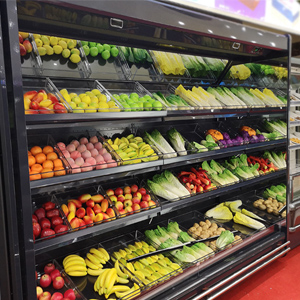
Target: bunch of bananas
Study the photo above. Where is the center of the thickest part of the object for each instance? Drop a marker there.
(105, 283)
(75, 265)
(95, 260)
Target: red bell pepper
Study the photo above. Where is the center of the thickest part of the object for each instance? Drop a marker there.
(182, 173)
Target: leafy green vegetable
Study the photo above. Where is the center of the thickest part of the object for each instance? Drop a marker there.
(242, 219)
(159, 191)
(226, 237)
(219, 212)
(177, 141)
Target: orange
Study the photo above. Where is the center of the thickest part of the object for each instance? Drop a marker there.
(36, 150)
(47, 173)
(36, 168)
(31, 160)
(59, 171)
(57, 163)
(51, 156)
(29, 153)
(35, 176)
(40, 158)
(47, 149)
(48, 164)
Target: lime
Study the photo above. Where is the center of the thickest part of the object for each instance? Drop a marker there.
(147, 106)
(106, 47)
(112, 46)
(83, 105)
(114, 52)
(105, 54)
(134, 95)
(147, 97)
(93, 51)
(83, 43)
(140, 105)
(143, 99)
(116, 96)
(157, 105)
(124, 96)
(73, 104)
(66, 53)
(75, 58)
(92, 44)
(86, 50)
(100, 48)
(57, 49)
(71, 44)
(133, 107)
(76, 100)
(126, 107)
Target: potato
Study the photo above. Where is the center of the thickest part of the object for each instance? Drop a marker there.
(270, 198)
(269, 210)
(268, 202)
(198, 232)
(192, 229)
(283, 214)
(275, 212)
(262, 207)
(204, 227)
(214, 226)
(275, 201)
(215, 233)
(196, 225)
(204, 235)
(256, 204)
(202, 223)
(208, 223)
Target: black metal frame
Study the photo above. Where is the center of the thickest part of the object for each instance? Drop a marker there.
(14, 124)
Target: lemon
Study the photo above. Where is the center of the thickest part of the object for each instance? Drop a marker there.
(102, 98)
(73, 95)
(94, 104)
(91, 109)
(111, 103)
(94, 99)
(36, 36)
(86, 99)
(53, 41)
(71, 44)
(39, 42)
(75, 58)
(83, 105)
(78, 111)
(76, 99)
(82, 95)
(75, 51)
(49, 49)
(73, 104)
(67, 97)
(64, 91)
(96, 92)
(57, 49)
(42, 51)
(103, 107)
(63, 44)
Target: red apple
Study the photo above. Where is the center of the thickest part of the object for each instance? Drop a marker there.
(110, 192)
(49, 268)
(58, 283)
(45, 280)
(136, 200)
(128, 196)
(45, 223)
(45, 296)
(70, 294)
(36, 229)
(134, 188)
(56, 221)
(137, 194)
(127, 203)
(88, 220)
(39, 291)
(97, 198)
(55, 273)
(144, 205)
(146, 197)
(57, 296)
(113, 198)
(152, 204)
(81, 224)
(90, 203)
(119, 205)
(40, 213)
(97, 209)
(34, 219)
(142, 191)
(127, 190)
(121, 198)
(118, 191)
(20, 39)
(122, 213)
(129, 210)
(84, 198)
(136, 207)
(80, 213)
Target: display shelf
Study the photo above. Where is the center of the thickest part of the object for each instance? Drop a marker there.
(294, 123)
(295, 103)
(294, 147)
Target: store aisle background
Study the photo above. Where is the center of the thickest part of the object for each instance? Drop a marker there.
(279, 280)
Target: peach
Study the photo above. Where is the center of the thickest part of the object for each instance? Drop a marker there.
(86, 167)
(86, 154)
(79, 161)
(83, 141)
(107, 156)
(66, 153)
(111, 163)
(61, 146)
(93, 140)
(75, 154)
(71, 148)
(91, 161)
(75, 142)
(101, 165)
(70, 161)
(75, 169)
(99, 158)
(94, 152)
(98, 146)
(81, 148)
(89, 146)
(102, 151)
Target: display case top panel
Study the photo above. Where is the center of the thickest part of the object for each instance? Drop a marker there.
(152, 25)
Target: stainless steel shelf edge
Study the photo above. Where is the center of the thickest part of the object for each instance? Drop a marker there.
(294, 147)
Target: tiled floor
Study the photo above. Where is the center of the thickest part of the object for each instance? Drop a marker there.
(278, 281)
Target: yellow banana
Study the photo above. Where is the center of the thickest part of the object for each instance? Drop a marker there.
(77, 273)
(95, 272)
(92, 266)
(72, 256)
(130, 267)
(122, 280)
(94, 259)
(120, 288)
(105, 253)
(121, 295)
(110, 280)
(75, 268)
(74, 262)
(98, 255)
(102, 280)
(111, 284)
(119, 272)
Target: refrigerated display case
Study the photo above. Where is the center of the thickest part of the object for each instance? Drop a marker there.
(154, 26)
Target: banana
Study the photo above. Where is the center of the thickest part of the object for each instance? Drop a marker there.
(92, 266)
(105, 253)
(138, 139)
(117, 141)
(122, 146)
(149, 152)
(139, 274)
(115, 147)
(120, 288)
(134, 145)
(141, 144)
(72, 256)
(139, 245)
(74, 262)
(98, 255)
(96, 284)
(77, 273)
(110, 142)
(94, 259)
(130, 136)
(95, 272)
(145, 147)
(130, 267)
(122, 252)
(122, 280)
(125, 140)
(110, 281)
(75, 268)
(124, 294)
(119, 272)
(102, 280)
